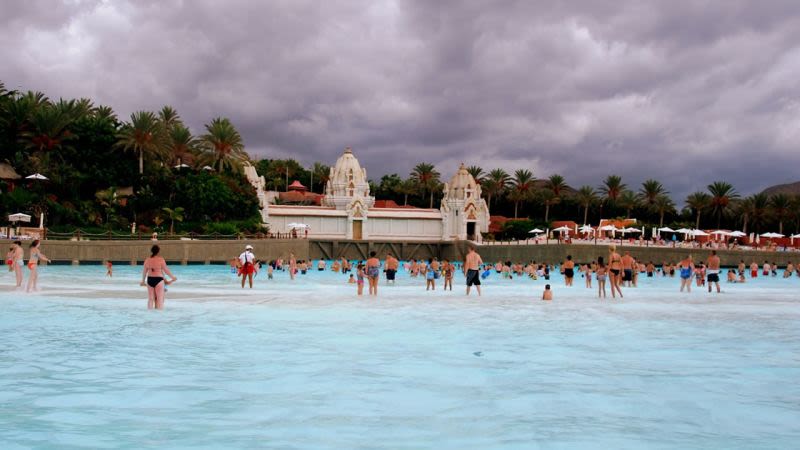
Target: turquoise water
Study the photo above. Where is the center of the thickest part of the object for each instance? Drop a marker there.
(309, 365)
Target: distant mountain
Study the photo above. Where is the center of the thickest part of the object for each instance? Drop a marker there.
(790, 188)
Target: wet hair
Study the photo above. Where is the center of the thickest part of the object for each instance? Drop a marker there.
(18, 243)
(546, 287)
(569, 257)
(372, 254)
(600, 261)
(34, 244)
(154, 250)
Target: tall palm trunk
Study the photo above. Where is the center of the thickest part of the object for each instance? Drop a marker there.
(546, 212)
(515, 209)
(585, 213)
(697, 221)
(431, 205)
(745, 219)
(661, 220)
(141, 162)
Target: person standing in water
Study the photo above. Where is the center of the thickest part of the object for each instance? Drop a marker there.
(19, 261)
(569, 270)
(615, 268)
(686, 268)
(601, 277)
(247, 262)
(373, 273)
(33, 265)
(391, 268)
(712, 271)
(292, 266)
(471, 268)
(155, 269)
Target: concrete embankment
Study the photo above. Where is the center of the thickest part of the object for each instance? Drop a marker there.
(221, 251)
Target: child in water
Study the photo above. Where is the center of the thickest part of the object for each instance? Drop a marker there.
(360, 274)
(109, 269)
(351, 280)
(547, 294)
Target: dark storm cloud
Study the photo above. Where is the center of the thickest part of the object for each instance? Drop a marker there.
(683, 91)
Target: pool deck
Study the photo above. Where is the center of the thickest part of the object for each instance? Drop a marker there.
(222, 251)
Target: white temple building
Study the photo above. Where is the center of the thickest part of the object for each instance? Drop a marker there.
(348, 210)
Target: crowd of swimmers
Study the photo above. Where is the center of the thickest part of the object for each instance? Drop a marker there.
(615, 271)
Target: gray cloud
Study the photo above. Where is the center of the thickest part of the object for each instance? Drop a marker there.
(686, 92)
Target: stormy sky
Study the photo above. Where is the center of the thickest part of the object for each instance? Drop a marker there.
(686, 92)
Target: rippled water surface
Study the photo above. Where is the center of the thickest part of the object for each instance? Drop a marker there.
(309, 365)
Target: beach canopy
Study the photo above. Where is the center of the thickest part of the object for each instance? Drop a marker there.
(19, 217)
(586, 229)
(609, 228)
(666, 229)
(37, 176)
(699, 233)
(564, 228)
(772, 235)
(631, 230)
(795, 236)
(737, 234)
(297, 225)
(683, 230)
(536, 230)
(721, 232)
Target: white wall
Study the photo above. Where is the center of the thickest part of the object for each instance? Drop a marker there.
(393, 228)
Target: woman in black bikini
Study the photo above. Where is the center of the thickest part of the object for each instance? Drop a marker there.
(615, 268)
(154, 271)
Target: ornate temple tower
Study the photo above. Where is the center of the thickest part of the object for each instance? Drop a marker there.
(464, 213)
(348, 189)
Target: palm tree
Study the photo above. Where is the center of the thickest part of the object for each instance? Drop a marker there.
(650, 190)
(556, 184)
(744, 210)
(663, 205)
(495, 184)
(522, 188)
(223, 144)
(627, 200)
(50, 129)
(476, 172)
(175, 214)
(586, 197)
(760, 210)
(698, 202)
(780, 204)
(169, 117)
(549, 198)
(722, 194)
(182, 145)
(611, 189)
(322, 173)
(428, 178)
(145, 135)
(405, 188)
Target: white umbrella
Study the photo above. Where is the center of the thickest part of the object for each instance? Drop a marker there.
(182, 166)
(19, 217)
(699, 233)
(586, 229)
(772, 235)
(737, 234)
(683, 230)
(667, 229)
(721, 233)
(37, 176)
(208, 168)
(297, 225)
(564, 228)
(536, 230)
(609, 228)
(632, 230)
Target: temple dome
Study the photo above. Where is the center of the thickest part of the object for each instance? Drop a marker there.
(462, 185)
(347, 169)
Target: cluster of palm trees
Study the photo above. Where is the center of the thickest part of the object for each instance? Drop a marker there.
(44, 128)
(524, 194)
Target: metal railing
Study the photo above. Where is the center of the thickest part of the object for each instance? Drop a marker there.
(81, 235)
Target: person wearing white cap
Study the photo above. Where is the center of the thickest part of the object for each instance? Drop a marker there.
(247, 260)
